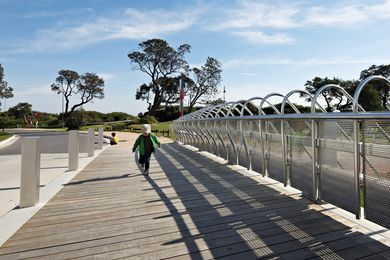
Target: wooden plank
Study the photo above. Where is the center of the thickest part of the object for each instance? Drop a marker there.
(189, 207)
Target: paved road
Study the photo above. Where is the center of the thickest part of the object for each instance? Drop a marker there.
(52, 142)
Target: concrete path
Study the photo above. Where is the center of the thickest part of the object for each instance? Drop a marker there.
(191, 206)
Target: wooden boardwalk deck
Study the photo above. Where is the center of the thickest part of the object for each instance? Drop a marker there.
(190, 207)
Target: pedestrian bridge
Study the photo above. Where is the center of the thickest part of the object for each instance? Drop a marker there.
(245, 185)
(191, 206)
(340, 158)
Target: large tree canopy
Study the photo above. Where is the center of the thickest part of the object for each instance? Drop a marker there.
(69, 83)
(330, 96)
(158, 60)
(22, 110)
(335, 100)
(380, 86)
(206, 81)
(5, 90)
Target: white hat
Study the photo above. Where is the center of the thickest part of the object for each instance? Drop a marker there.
(145, 128)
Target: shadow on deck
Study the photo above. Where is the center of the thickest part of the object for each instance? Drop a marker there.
(189, 207)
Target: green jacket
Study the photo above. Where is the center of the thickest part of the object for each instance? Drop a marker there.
(140, 143)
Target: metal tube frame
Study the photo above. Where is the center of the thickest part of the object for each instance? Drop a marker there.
(201, 128)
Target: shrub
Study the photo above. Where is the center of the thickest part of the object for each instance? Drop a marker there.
(118, 126)
(6, 121)
(148, 120)
(107, 128)
(54, 122)
(75, 121)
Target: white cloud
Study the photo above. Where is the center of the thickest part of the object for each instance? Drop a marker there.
(45, 14)
(248, 18)
(248, 74)
(234, 93)
(346, 15)
(106, 76)
(34, 91)
(131, 25)
(253, 14)
(260, 37)
(251, 61)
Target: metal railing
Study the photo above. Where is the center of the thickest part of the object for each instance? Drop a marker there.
(342, 158)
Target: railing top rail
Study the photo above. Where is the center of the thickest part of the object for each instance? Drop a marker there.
(307, 116)
(237, 109)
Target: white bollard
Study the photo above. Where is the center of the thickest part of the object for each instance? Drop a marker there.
(100, 139)
(30, 171)
(91, 142)
(73, 150)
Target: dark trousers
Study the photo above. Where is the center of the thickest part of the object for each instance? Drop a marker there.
(145, 159)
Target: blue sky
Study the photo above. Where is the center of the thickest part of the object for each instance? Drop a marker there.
(264, 46)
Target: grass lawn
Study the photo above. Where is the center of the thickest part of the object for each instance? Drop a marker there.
(163, 126)
(4, 135)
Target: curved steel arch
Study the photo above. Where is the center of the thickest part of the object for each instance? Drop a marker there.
(355, 104)
(234, 106)
(320, 90)
(225, 106)
(212, 110)
(289, 94)
(275, 94)
(217, 113)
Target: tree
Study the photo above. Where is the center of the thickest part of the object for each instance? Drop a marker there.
(171, 88)
(22, 110)
(143, 93)
(5, 90)
(382, 87)
(369, 98)
(329, 95)
(69, 83)
(335, 100)
(158, 60)
(215, 102)
(206, 81)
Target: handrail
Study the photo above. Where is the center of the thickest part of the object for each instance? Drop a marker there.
(198, 131)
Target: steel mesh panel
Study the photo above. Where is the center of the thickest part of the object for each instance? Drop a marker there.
(251, 132)
(208, 141)
(233, 133)
(256, 153)
(215, 133)
(336, 159)
(232, 144)
(245, 143)
(224, 135)
(243, 156)
(376, 170)
(299, 133)
(274, 150)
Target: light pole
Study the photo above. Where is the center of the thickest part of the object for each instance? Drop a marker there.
(224, 91)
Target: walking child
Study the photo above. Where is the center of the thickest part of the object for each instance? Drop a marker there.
(146, 144)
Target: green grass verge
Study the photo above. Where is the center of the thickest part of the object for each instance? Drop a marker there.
(91, 126)
(161, 126)
(4, 135)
